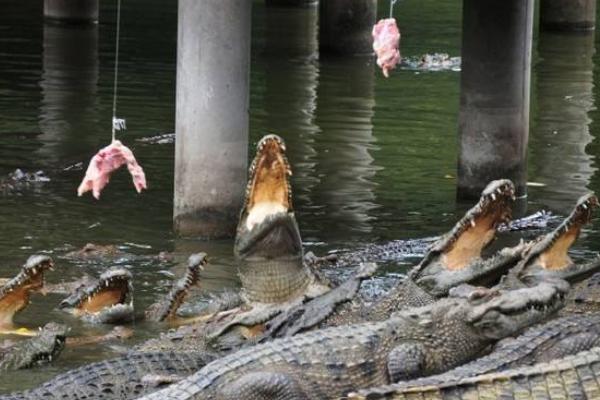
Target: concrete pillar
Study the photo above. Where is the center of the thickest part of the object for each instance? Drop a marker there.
(69, 86)
(72, 11)
(567, 15)
(494, 94)
(211, 150)
(345, 26)
(291, 3)
(560, 156)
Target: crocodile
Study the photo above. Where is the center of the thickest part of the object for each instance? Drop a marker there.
(166, 308)
(328, 363)
(42, 348)
(16, 292)
(126, 377)
(572, 377)
(452, 260)
(19, 180)
(105, 301)
(548, 255)
(552, 340)
(93, 252)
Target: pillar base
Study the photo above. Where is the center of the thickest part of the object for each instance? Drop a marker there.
(207, 223)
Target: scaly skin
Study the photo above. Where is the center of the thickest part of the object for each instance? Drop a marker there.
(572, 377)
(39, 349)
(166, 308)
(556, 339)
(105, 301)
(125, 377)
(15, 293)
(328, 363)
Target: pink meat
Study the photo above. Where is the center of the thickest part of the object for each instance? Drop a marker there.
(107, 160)
(386, 41)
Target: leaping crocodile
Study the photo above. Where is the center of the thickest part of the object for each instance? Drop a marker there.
(328, 363)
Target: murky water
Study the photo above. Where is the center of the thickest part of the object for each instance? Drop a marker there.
(373, 159)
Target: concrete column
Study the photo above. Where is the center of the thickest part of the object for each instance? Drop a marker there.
(291, 3)
(211, 151)
(72, 11)
(567, 15)
(494, 99)
(345, 26)
(560, 157)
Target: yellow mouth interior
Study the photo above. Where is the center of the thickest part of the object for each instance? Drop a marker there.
(107, 297)
(269, 193)
(472, 241)
(557, 256)
(17, 299)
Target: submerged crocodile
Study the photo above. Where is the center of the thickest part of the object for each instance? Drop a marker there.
(542, 343)
(328, 363)
(15, 293)
(571, 377)
(42, 348)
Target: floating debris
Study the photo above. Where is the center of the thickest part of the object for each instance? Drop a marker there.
(432, 62)
(167, 138)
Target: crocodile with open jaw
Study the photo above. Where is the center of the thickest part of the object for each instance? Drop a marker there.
(453, 260)
(328, 363)
(15, 293)
(549, 257)
(105, 301)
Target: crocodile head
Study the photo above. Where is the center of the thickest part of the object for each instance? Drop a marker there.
(106, 300)
(167, 308)
(548, 256)
(455, 257)
(14, 295)
(92, 251)
(267, 228)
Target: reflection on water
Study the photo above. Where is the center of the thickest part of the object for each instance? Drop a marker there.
(565, 81)
(69, 88)
(345, 167)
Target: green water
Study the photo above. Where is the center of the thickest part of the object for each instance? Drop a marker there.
(374, 159)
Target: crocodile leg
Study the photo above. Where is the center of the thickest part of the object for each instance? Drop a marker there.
(264, 386)
(406, 361)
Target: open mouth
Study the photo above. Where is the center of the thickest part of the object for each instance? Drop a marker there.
(478, 227)
(268, 190)
(111, 291)
(14, 295)
(552, 253)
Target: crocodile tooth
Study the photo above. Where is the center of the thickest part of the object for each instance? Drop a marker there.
(493, 197)
(584, 206)
(472, 223)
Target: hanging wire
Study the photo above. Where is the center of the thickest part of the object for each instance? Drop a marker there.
(392, 3)
(117, 123)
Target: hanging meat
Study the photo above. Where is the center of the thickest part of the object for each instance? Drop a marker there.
(107, 160)
(386, 41)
